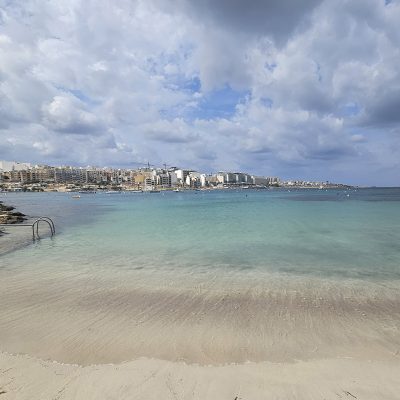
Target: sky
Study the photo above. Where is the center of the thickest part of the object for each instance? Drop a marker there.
(297, 89)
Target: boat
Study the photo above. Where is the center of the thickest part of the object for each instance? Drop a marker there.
(76, 196)
(135, 191)
(87, 191)
(113, 192)
(151, 189)
(177, 190)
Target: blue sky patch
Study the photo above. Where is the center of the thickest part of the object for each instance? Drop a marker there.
(219, 103)
(350, 110)
(79, 95)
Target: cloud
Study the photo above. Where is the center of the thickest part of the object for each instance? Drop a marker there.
(384, 109)
(66, 114)
(260, 17)
(298, 89)
(176, 131)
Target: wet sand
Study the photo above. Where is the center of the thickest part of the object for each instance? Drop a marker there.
(80, 329)
(71, 332)
(13, 238)
(196, 338)
(79, 319)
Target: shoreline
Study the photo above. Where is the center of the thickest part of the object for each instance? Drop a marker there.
(24, 377)
(12, 239)
(72, 337)
(81, 319)
(16, 239)
(83, 328)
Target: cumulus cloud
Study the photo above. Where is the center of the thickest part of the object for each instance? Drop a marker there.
(299, 89)
(176, 131)
(277, 19)
(66, 114)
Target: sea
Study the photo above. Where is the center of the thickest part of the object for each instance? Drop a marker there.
(333, 233)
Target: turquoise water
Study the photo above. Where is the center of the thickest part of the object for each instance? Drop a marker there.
(336, 233)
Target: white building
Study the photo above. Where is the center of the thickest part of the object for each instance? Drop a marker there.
(164, 179)
(174, 178)
(241, 177)
(203, 180)
(193, 179)
(182, 174)
(7, 166)
(220, 177)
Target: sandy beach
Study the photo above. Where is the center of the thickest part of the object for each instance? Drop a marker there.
(208, 200)
(24, 377)
(100, 314)
(74, 337)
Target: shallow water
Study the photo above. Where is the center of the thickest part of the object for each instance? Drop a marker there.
(315, 233)
(206, 277)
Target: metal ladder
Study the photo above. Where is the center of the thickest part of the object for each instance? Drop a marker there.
(35, 226)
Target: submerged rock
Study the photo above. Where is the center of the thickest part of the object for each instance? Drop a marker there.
(7, 216)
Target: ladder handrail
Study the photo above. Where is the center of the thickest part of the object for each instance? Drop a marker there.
(37, 226)
(43, 218)
(48, 220)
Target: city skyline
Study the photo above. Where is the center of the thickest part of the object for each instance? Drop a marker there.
(298, 90)
(7, 167)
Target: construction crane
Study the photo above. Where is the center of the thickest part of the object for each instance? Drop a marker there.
(148, 165)
(168, 166)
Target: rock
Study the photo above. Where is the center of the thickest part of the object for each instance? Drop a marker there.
(18, 214)
(7, 208)
(9, 217)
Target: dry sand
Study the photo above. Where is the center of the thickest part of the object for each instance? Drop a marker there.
(23, 377)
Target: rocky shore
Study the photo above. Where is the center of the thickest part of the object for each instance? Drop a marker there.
(12, 239)
(9, 216)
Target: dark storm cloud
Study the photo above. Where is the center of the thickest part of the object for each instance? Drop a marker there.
(278, 19)
(384, 110)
